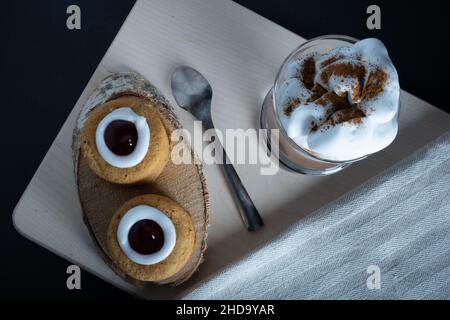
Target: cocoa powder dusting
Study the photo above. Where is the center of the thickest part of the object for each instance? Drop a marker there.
(329, 61)
(306, 75)
(308, 72)
(375, 85)
(340, 109)
(316, 92)
(291, 106)
(335, 101)
(346, 70)
(353, 115)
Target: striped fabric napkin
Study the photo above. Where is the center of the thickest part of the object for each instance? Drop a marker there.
(388, 239)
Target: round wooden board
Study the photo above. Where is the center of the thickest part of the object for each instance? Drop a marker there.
(183, 183)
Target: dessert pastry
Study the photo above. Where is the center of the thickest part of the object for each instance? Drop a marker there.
(125, 142)
(150, 238)
(183, 183)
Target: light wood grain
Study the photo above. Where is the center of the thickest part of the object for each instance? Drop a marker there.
(239, 52)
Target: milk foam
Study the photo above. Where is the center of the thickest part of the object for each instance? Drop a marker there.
(313, 124)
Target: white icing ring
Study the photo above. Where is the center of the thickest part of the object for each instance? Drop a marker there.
(142, 145)
(143, 212)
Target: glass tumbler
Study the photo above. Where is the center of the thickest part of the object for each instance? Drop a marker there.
(291, 156)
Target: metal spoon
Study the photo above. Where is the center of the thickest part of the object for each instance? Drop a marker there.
(193, 93)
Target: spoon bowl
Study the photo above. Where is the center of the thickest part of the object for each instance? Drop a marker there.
(193, 92)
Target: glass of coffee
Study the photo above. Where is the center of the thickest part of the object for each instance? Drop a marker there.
(335, 101)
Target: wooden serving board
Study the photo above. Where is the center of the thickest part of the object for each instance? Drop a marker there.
(239, 52)
(183, 183)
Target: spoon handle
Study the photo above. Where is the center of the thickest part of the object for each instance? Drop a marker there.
(247, 209)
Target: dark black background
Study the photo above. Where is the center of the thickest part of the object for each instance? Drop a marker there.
(44, 67)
